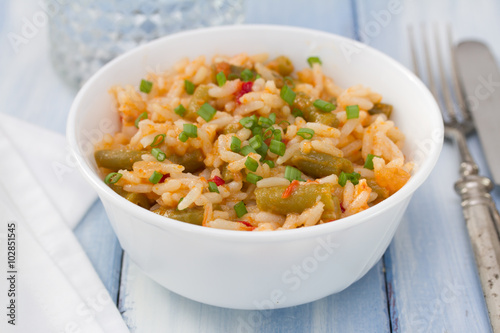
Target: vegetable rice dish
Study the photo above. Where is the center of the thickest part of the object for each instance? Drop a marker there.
(250, 143)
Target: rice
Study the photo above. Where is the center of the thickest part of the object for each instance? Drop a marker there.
(273, 181)
(254, 159)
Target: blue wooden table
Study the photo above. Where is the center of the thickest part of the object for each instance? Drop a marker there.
(427, 280)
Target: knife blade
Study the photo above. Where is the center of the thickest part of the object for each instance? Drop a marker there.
(480, 82)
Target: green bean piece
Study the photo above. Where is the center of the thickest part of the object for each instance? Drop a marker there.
(278, 80)
(318, 165)
(235, 70)
(139, 199)
(304, 103)
(188, 215)
(270, 199)
(200, 97)
(382, 192)
(117, 159)
(335, 213)
(226, 174)
(381, 108)
(282, 64)
(192, 161)
(232, 128)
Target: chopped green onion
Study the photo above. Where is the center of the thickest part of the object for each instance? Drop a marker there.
(306, 133)
(277, 147)
(235, 144)
(292, 174)
(251, 164)
(268, 133)
(158, 154)
(180, 200)
(253, 178)
(190, 130)
(268, 162)
(232, 76)
(265, 122)
(353, 177)
(249, 122)
(262, 151)
(257, 130)
(342, 179)
(256, 142)
(247, 150)
(369, 161)
(272, 117)
(277, 134)
(189, 87)
(312, 60)
(324, 105)
(284, 122)
(288, 80)
(297, 113)
(180, 110)
(221, 79)
(212, 187)
(240, 209)
(246, 75)
(207, 112)
(183, 137)
(142, 116)
(287, 94)
(155, 177)
(158, 140)
(146, 86)
(112, 178)
(352, 111)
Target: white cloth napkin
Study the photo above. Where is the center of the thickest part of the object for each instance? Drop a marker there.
(57, 289)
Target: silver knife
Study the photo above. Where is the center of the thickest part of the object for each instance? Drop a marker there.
(480, 81)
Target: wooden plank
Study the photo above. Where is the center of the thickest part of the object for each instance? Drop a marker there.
(360, 308)
(31, 90)
(431, 274)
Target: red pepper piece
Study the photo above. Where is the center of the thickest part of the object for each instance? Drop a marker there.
(288, 191)
(246, 87)
(217, 180)
(165, 176)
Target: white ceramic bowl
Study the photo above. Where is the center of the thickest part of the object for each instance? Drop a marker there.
(256, 270)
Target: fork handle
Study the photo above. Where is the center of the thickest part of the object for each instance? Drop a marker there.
(481, 217)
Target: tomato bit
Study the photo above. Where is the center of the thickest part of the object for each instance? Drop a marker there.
(293, 185)
(217, 180)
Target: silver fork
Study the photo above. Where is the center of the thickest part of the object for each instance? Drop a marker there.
(478, 207)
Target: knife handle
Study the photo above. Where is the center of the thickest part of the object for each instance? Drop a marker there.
(481, 218)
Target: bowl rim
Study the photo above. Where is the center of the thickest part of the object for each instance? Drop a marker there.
(146, 216)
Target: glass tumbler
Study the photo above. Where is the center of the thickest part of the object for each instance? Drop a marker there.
(86, 34)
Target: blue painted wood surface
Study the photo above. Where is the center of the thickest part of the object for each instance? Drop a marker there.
(148, 307)
(431, 277)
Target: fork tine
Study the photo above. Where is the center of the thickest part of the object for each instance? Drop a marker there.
(413, 50)
(454, 76)
(444, 84)
(427, 57)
